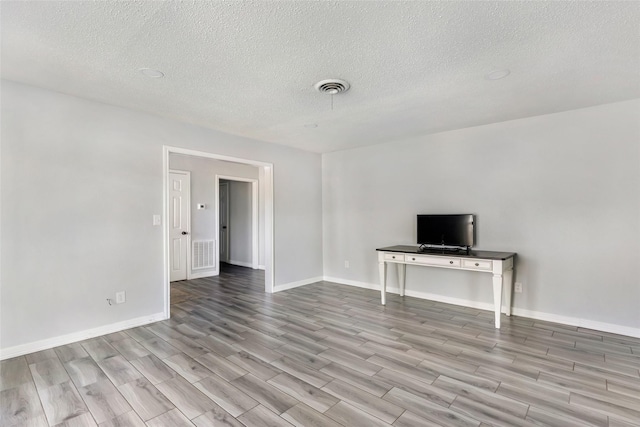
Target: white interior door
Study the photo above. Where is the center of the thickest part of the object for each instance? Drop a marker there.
(179, 224)
(224, 221)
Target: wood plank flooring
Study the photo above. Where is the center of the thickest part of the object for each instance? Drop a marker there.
(326, 355)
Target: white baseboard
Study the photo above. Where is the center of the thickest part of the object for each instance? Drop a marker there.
(448, 300)
(416, 294)
(297, 284)
(19, 350)
(537, 315)
(576, 321)
(357, 284)
(261, 267)
(202, 274)
(240, 263)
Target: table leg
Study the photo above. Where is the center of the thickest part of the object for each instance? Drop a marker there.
(382, 266)
(497, 297)
(402, 268)
(508, 291)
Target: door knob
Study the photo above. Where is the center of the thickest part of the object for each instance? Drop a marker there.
(184, 233)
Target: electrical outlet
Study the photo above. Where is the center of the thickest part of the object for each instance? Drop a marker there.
(157, 220)
(346, 264)
(121, 297)
(518, 287)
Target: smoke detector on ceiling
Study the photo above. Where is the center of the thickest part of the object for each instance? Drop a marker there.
(332, 86)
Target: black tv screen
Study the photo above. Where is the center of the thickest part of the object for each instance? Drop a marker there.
(446, 230)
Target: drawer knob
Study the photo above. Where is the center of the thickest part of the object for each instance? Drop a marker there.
(477, 264)
(450, 262)
(413, 259)
(393, 257)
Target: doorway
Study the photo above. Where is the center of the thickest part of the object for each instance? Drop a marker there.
(238, 217)
(265, 186)
(223, 221)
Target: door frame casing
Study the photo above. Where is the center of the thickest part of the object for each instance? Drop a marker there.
(269, 252)
(217, 232)
(255, 244)
(188, 260)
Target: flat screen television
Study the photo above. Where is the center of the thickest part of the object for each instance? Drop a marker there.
(449, 231)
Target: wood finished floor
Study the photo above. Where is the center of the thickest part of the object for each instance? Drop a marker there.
(326, 355)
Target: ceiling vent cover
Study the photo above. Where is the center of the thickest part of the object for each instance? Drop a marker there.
(332, 86)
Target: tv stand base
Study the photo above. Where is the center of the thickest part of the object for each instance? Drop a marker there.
(499, 264)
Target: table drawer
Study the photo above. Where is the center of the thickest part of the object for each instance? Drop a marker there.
(440, 261)
(477, 264)
(394, 257)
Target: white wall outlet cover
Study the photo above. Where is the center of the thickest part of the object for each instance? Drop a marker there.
(201, 206)
(121, 297)
(157, 220)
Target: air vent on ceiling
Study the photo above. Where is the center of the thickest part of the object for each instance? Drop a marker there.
(332, 86)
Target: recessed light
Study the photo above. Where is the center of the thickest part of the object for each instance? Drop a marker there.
(311, 125)
(150, 72)
(498, 74)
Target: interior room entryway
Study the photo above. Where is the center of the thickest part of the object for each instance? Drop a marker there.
(238, 221)
(192, 239)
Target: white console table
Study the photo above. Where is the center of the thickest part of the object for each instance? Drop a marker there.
(499, 264)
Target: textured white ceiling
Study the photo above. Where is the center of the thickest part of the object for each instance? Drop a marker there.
(248, 68)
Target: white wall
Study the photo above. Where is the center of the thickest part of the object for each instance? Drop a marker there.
(240, 239)
(561, 190)
(203, 173)
(80, 181)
